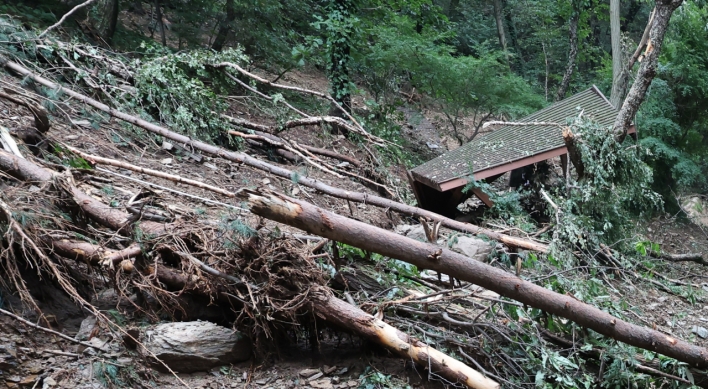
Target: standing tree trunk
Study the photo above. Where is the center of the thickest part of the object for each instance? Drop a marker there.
(160, 22)
(339, 42)
(619, 74)
(572, 52)
(647, 71)
(225, 26)
(498, 12)
(108, 13)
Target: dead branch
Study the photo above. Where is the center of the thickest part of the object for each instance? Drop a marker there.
(315, 220)
(689, 257)
(642, 42)
(358, 129)
(278, 171)
(93, 254)
(347, 316)
(63, 18)
(155, 173)
(48, 330)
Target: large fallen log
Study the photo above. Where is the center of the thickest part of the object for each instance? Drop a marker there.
(281, 172)
(321, 222)
(349, 317)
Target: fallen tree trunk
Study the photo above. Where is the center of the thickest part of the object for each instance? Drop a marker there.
(690, 257)
(281, 172)
(347, 316)
(318, 221)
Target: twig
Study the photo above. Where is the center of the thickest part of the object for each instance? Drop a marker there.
(151, 172)
(172, 190)
(63, 18)
(59, 334)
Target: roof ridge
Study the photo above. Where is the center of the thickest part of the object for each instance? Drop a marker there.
(599, 93)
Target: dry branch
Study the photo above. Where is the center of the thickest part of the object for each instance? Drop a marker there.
(156, 173)
(63, 18)
(48, 330)
(315, 220)
(349, 317)
(281, 172)
(689, 257)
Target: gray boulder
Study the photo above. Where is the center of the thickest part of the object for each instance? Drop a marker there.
(472, 247)
(188, 347)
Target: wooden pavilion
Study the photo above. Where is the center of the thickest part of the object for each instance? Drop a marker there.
(437, 184)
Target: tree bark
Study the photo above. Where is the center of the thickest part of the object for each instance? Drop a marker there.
(106, 25)
(347, 316)
(225, 26)
(498, 12)
(281, 172)
(321, 222)
(572, 51)
(160, 22)
(647, 71)
(617, 66)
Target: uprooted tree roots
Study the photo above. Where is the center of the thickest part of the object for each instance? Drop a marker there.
(267, 285)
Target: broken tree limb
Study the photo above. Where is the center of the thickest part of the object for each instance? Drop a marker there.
(690, 257)
(155, 173)
(51, 331)
(315, 220)
(642, 42)
(278, 171)
(94, 209)
(93, 254)
(349, 317)
(648, 69)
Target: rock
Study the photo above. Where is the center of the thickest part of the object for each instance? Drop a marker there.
(417, 233)
(167, 145)
(700, 331)
(316, 376)
(432, 146)
(166, 161)
(474, 248)
(195, 346)
(261, 381)
(307, 373)
(48, 382)
(86, 328)
(321, 384)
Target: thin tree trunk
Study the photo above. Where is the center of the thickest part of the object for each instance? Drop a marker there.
(225, 26)
(572, 52)
(106, 25)
(617, 65)
(647, 71)
(160, 23)
(498, 12)
(312, 219)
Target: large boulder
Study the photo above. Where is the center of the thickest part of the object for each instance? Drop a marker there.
(188, 347)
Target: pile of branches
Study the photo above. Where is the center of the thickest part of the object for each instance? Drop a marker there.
(271, 283)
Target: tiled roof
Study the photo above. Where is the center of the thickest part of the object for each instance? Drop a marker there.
(512, 143)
